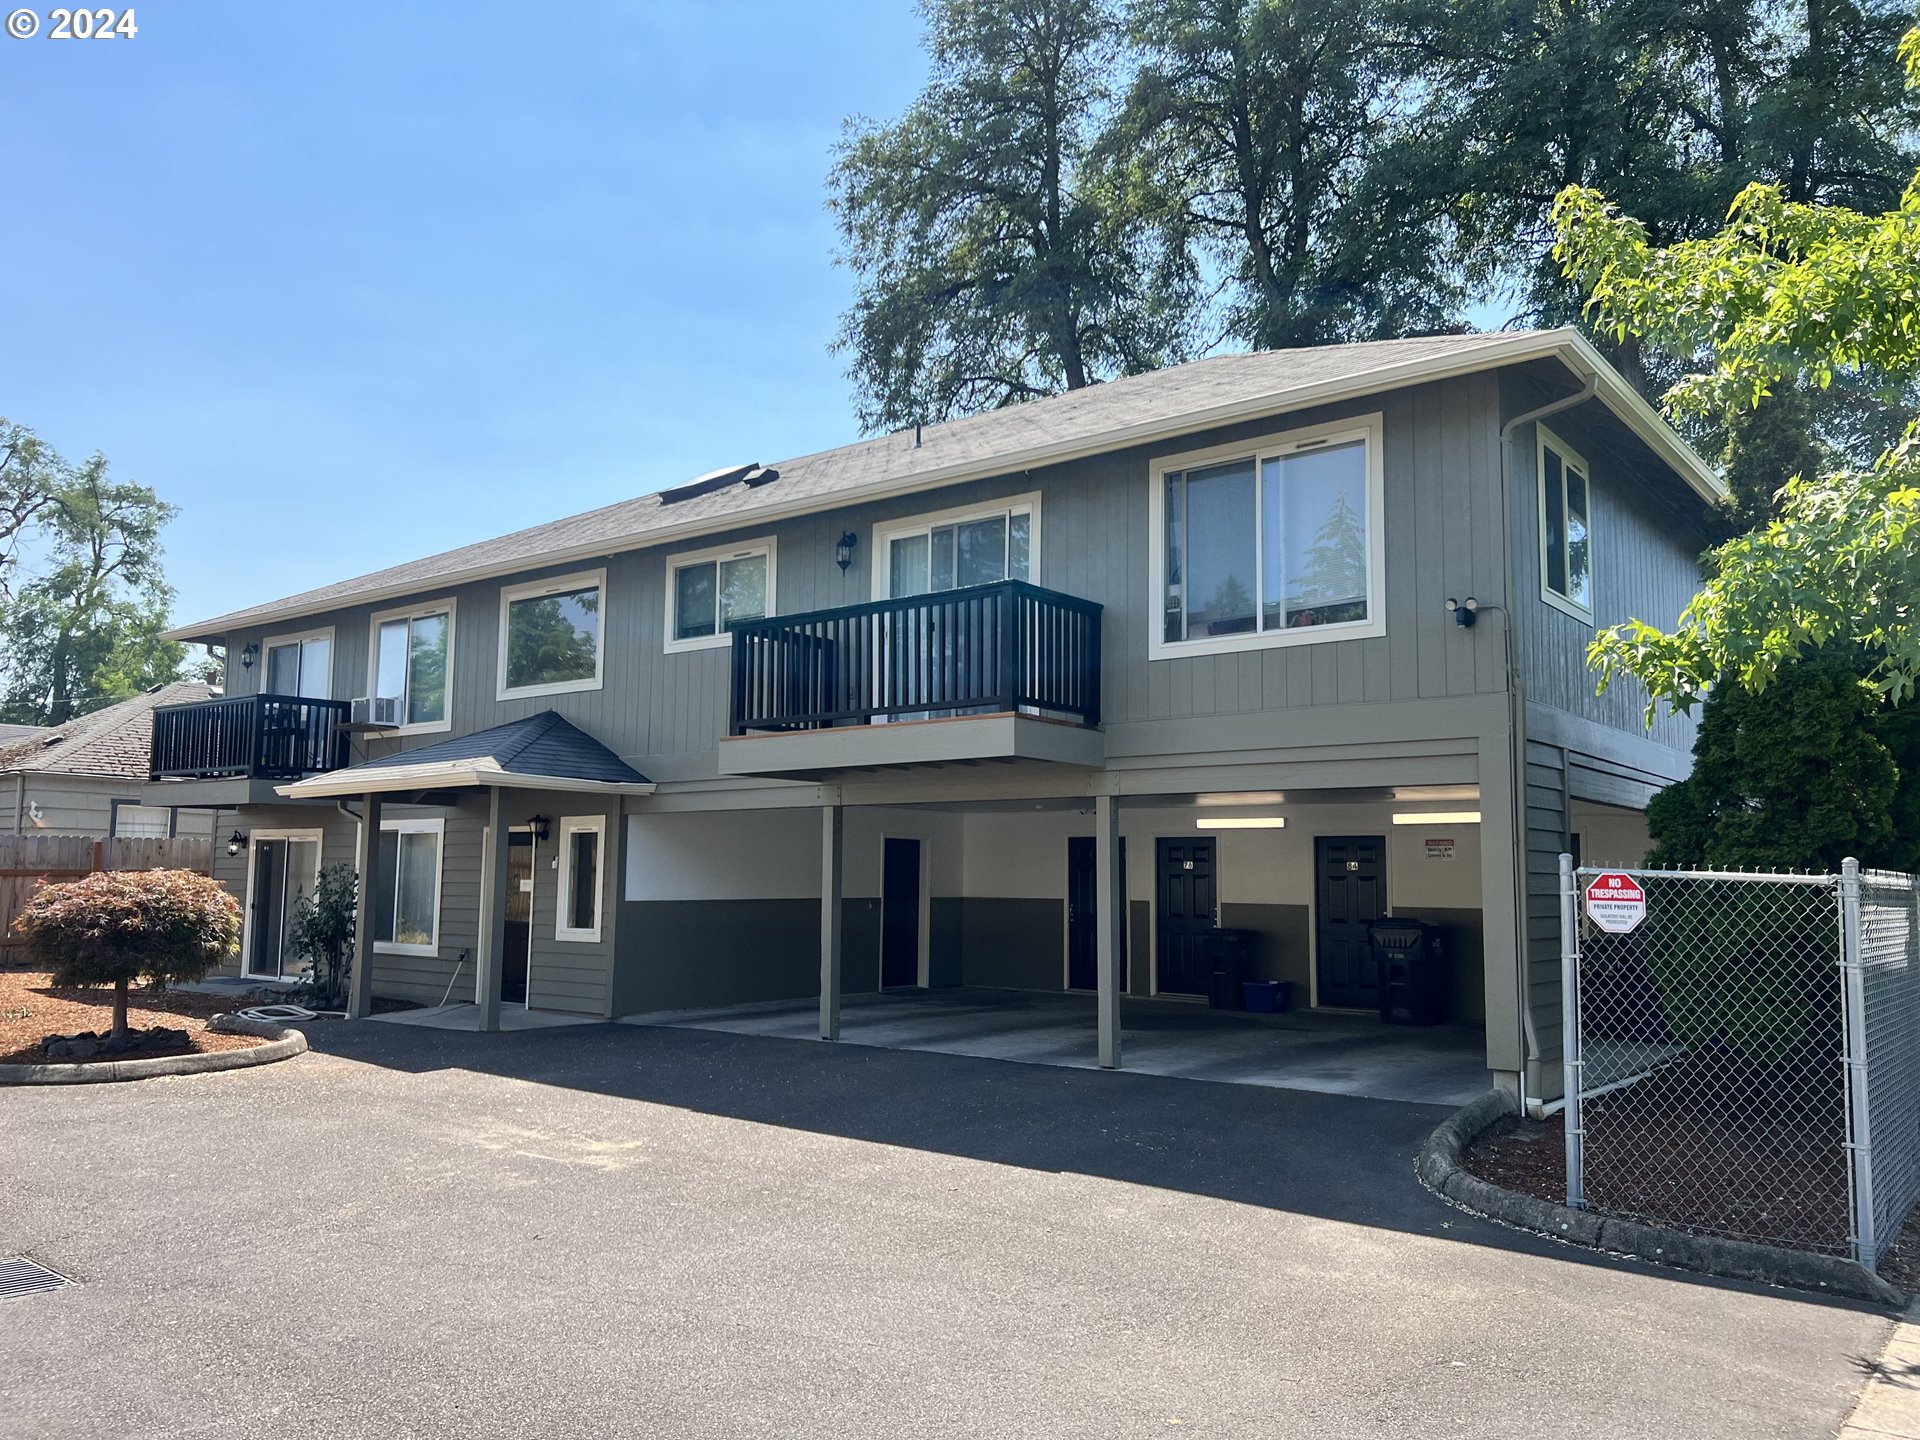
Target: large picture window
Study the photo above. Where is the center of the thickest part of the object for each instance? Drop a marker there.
(412, 658)
(301, 665)
(552, 635)
(1566, 536)
(583, 843)
(1278, 544)
(711, 591)
(407, 887)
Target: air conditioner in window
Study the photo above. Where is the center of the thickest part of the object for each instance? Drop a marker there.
(375, 712)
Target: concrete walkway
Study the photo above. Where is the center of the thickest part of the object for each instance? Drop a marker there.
(1329, 1054)
(467, 1017)
(1889, 1405)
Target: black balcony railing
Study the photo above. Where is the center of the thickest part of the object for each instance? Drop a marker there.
(990, 648)
(256, 737)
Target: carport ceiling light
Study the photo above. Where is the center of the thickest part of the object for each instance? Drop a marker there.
(1240, 822)
(1437, 817)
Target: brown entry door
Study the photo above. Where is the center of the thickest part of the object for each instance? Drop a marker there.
(1083, 908)
(1185, 902)
(519, 933)
(1351, 886)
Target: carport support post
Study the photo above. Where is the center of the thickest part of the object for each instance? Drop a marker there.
(833, 831)
(493, 918)
(1108, 893)
(366, 864)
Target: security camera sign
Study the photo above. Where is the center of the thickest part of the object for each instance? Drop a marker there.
(1616, 903)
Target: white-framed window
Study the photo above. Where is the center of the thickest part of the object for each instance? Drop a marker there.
(132, 821)
(412, 667)
(952, 549)
(553, 635)
(1566, 532)
(406, 887)
(711, 591)
(582, 875)
(300, 665)
(1276, 541)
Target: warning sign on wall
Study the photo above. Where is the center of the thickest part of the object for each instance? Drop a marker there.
(1439, 847)
(1616, 903)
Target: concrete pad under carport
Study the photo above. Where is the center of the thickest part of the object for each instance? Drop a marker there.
(467, 1017)
(1328, 1053)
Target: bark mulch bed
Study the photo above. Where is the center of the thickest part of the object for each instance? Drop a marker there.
(1677, 1152)
(32, 1008)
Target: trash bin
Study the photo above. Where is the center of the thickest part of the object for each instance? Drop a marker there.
(1229, 956)
(1412, 959)
(1268, 997)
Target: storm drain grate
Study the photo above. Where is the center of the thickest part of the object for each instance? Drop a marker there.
(21, 1276)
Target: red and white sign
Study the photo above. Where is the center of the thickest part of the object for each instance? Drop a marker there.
(1616, 903)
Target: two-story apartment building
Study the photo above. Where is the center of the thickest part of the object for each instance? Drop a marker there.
(1282, 642)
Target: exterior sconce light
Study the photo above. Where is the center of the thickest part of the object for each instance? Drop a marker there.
(248, 654)
(843, 550)
(236, 843)
(540, 825)
(1464, 612)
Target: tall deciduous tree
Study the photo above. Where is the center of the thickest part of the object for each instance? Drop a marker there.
(30, 476)
(1253, 130)
(991, 267)
(86, 629)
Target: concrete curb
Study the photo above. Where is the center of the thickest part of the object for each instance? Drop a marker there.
(282, 1044)
(1440, 1171)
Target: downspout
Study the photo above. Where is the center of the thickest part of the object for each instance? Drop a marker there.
(1517, 730)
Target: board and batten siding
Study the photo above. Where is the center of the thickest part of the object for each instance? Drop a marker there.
(665, 712)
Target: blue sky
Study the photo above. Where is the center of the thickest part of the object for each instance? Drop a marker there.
(351, 283)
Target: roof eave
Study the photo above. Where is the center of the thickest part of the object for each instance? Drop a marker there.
(342, 784)
(1565, 344)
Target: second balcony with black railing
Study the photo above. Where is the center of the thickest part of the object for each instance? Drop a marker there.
(250, 737)
(1004, 649)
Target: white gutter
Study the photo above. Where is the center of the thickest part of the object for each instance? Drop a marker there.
(387, 779)
(1566, 345)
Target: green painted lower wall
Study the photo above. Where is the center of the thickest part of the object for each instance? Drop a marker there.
(690, 954)
(1012, 944)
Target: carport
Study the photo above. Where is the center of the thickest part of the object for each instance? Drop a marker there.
(1331, 1053)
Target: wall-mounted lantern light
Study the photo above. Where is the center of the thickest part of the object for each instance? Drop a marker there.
(540, 825)
(249, 653)
(236, 843)
(843, 550)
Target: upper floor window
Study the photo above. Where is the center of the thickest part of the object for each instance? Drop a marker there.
(412, 663)
(301, 665)
(1274, 543)
(956, 548)
(552, 638)
(711, 591)
(1566, 541)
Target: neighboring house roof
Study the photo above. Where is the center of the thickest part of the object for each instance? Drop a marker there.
(12, 735)
(114, 742)
(1179, 400)
(542, 752)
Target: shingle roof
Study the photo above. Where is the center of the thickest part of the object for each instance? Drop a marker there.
(1180, 399)
(11, 735)
(113, 742)
(539, 749)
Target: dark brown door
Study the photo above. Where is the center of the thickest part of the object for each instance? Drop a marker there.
(1185, 899)
(1351, 886)
(519, 932)
(900, 914)
(1083, 903)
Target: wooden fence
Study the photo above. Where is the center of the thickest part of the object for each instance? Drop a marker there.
(27, 861)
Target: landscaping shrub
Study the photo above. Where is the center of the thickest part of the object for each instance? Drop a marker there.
(119, 926)
(321, 933)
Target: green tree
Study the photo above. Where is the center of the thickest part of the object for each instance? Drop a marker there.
(992, 265)
(85, 631)
(30, 476)
(1788, 294)
(320, 932)
(1250, 133)
(115, 927)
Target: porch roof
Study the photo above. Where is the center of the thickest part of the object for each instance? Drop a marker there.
(542, 752)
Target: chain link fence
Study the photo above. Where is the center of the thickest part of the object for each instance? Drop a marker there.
(1743, 1053)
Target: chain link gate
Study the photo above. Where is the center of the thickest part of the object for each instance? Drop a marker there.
(1742, 1052)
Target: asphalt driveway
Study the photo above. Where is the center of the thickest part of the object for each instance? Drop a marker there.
(622, 1231)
